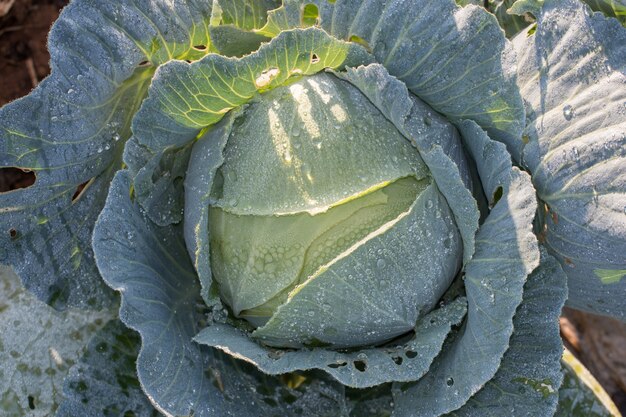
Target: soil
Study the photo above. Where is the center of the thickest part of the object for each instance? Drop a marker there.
(599, 342)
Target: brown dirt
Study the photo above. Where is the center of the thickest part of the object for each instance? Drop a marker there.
(23, 36)
(599, 342)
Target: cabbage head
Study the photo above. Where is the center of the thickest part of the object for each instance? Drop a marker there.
(323, 208)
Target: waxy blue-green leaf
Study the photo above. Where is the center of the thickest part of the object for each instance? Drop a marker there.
(577, 148)
(186, 98)
(104, 381)
(580, 394)
(149, 265)
(38, 346)
(455, 59)
(206, 158)
(506, 252)
(70, 131)
(363, 368)
(529, 376)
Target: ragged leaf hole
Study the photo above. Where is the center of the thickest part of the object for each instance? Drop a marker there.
(13, 233)
(266, 77)
(337, 365)
(315, 59)
(410, 354)
(200, 47)
(360, 366)
(80, 190)
(144, 64)
(31, 402)
(15, 178)
(398, 360)
(497, 195)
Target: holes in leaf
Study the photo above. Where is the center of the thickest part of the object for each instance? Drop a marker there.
(397, 359)
(275, 354)
(266, 77)
(310, 15)
(80, 386)
(450, 381)
(13, 233)
(360, 366)
(315, 59)
(80, 190)
(199, 47)
(497, 195)
(58, 296)
(337, 365)
(144, 64)
(31, 402)
(410, 354)
(13, 178)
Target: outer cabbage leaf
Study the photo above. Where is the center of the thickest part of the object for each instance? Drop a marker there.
(38, 345)
(527, 381)
(439, 50)
(70, 131)
(506, 252)
(104, 381)
(149, 265)
(580, 394)
(510, 23)
(577, 148)
(362, 368)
